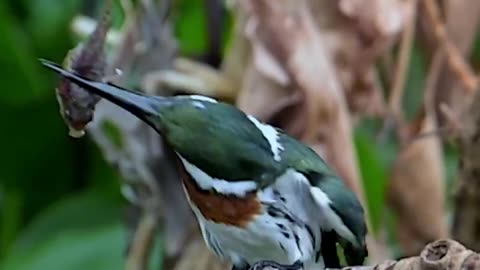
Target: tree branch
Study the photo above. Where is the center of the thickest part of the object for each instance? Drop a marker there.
(442, 254)
(400, 77)
(455, 60)
(466, 221)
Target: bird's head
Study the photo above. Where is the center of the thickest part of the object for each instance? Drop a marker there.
(164, 114)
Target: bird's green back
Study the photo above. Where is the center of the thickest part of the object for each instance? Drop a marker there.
(219, 139)
(302, 158)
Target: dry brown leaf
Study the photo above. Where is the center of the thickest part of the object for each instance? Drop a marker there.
(357, 34)
(264, 62)
(262, 83)
(88, 59)
(456, 63)
(238, 57)
(462, 21)
(291, 37)
(378, 18)
(257, 91)
(373, 28)
(416, 190)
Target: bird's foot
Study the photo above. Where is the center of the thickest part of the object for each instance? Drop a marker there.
(264, 265)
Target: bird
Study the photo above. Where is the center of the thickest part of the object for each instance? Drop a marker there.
(260, 196)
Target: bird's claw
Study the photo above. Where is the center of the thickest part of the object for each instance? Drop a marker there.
(264, 265)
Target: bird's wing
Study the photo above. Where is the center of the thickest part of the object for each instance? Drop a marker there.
(345, 215)
(342, 211)
(227, 144)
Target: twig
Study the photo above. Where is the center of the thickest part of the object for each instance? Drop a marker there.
(386, 60)
(398, 84)
(455, 61)
(428, 97)
(452, 124)
(142, 242)
(395, 115)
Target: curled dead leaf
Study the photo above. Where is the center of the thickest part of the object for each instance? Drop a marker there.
(291, 37)
(87, 59)
(416, 189)
(377, 18)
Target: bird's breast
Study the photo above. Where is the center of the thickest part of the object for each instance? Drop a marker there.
(220, 208)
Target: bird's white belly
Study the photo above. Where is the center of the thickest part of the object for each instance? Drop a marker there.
(261, 239)
(286, 231)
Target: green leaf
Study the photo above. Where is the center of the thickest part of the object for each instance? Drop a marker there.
(391, 233)
(49, 19)
(98, 248)
(451, 158)
(475, 55)
(113, 133)
(83, 231)
(373, 172)
(415, 83)
(20, 76)
(37, 157)
(73, 213)
(191, 27)
(10, 217)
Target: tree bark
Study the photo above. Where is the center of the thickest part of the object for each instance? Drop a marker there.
(439, 255)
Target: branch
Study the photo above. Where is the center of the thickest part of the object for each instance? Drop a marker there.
(141, 245)
(441, 254)
(455, 61)
(398, 83)
(466, 221)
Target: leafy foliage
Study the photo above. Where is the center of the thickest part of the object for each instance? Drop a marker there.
(60, 205)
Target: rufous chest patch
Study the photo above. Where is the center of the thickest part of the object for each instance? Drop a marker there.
(220, 208)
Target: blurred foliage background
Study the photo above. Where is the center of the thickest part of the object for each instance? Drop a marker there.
(60, 205)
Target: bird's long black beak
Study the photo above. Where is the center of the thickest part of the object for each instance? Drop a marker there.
(143, 106)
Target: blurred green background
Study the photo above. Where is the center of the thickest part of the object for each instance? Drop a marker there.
(60, 205)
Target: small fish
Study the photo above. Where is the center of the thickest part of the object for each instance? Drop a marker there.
(87, 59)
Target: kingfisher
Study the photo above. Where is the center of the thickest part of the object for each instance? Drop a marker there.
(260, 196)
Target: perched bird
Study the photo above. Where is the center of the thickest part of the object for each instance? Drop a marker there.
(259, 195)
